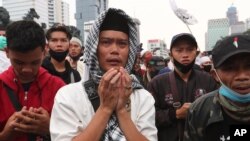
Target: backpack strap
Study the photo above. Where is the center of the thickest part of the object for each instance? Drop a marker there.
(72, 78)
(173, 87)
(18, 107)
(177, 103)
(91, 90)
(13, 98)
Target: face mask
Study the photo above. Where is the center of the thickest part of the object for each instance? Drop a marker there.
(232, 95)
(183, 68)
(58, 56)
(207, 68)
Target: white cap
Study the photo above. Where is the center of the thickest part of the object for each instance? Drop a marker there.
(143, 52)
(74, 39)
(204, 59)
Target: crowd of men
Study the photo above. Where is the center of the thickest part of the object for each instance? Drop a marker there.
(54, 87)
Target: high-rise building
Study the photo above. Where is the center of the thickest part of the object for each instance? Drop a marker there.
(88, 10)
(19, 8)
(51, 12)
(232, 15)
(217, 29)
(65, 13)
(58, 12)
(87, 26)
(247, 23)
(158, 47)
(238, 28)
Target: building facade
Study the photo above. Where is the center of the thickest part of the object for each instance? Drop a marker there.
(19, 8)
(87, 27)
(217, 29)
(58, 12)
(158, 48)
(65, 13)
(88, 10)
(238, 28)
(50, 11)
(247, 25)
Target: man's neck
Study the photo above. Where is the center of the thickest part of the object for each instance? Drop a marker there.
(184, 76)
(59, 66)
(74, 64)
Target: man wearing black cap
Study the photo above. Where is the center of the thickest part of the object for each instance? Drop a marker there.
(175, 91)
(210, 117)
(109, 104)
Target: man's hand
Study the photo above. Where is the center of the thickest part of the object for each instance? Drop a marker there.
(108, 90)
(8, 132)
(33, 121)
(125, 90)
(181, 113)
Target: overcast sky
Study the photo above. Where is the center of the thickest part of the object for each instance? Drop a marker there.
(158, 21)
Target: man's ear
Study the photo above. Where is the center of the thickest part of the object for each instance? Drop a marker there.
(170, 57)
(46, 48)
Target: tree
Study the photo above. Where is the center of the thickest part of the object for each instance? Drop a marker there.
(75, 32)
(4, 17)
(31, 15)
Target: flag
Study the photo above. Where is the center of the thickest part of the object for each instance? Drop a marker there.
(182, 14)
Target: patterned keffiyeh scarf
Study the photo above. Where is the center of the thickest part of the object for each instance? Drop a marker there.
(112, 131)
(239, 113)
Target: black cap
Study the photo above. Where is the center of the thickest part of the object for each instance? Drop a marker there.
(157, 62)
(228, 47)
(181, 37)
(115, 21)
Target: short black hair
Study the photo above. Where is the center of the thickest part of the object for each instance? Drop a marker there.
(24, 36)
(60, 28)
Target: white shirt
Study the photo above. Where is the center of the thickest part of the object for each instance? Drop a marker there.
(4, 61)
(73, 111)
(80, 65)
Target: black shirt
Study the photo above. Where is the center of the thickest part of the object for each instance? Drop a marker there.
(66, 75)
(160, 88)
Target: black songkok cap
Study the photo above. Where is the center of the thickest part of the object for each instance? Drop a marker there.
(115, 21)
